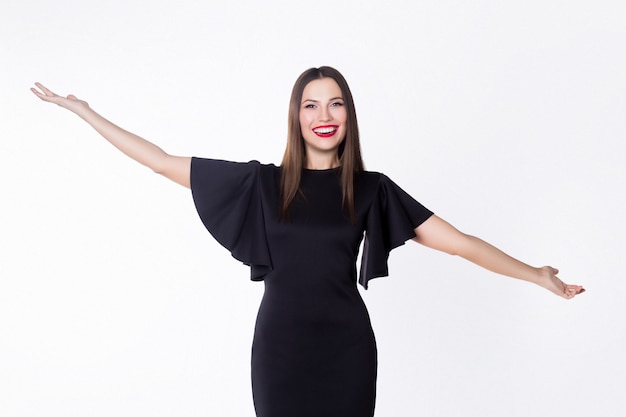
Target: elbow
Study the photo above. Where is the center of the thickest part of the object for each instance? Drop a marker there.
(459, 245)
(160, 165)
(174, 168)
(157, 169)
(452, 250)
(462, 245)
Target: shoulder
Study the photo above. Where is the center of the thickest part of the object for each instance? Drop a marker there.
(253, 165)
(207, 172)
(370, 179)
(380, 185)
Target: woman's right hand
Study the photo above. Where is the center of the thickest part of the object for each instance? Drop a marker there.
(71, 102)
(176, 168)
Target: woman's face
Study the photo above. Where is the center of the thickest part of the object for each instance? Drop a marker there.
(322, 117)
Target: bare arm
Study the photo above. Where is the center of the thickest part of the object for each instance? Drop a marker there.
(176, 168)
(438, 234)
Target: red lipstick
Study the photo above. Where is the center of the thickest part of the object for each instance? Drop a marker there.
(325, 131)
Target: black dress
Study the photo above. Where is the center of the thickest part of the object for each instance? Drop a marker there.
(314, 352)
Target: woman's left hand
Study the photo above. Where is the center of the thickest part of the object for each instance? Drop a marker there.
(551, 282)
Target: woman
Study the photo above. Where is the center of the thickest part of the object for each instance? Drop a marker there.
(299, 226)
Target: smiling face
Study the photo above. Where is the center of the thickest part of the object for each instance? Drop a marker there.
(323, 119)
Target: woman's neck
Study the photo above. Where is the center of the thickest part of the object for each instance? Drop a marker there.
(321, 161)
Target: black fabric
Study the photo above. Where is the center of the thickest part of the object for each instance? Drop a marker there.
(314, 352)
(391, 221)
(228, 201)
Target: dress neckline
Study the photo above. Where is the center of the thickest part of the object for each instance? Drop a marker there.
(322, 170)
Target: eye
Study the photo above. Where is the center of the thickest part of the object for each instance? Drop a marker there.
(336, 104)
(309, 106)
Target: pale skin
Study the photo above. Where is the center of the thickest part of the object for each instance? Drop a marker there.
(322, 105)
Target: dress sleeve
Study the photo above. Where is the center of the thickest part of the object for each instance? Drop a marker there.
(390, 222)
(227, 198)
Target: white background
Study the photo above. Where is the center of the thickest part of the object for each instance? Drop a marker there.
(507, 118)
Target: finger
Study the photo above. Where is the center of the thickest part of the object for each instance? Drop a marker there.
(573, 290)
(40, 94)
(555, 271)
(46, 91)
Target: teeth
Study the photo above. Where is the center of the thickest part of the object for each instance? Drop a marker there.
(324, 130)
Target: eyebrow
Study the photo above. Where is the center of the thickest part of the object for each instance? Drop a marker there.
(317, 101)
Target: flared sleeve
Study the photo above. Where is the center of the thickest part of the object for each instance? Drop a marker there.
(227, 198)
(390, 221)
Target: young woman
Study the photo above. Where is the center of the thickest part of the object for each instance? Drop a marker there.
(299, 227)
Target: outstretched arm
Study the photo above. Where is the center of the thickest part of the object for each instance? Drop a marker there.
(176, 168)
(438, 234)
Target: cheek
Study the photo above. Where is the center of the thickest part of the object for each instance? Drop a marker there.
(304, 120)
(342, 115)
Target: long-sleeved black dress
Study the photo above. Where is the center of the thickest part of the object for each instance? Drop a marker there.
(314, 352)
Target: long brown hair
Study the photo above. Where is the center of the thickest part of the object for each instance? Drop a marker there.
(349, 151)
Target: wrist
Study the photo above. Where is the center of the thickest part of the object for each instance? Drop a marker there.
(542, 276)
(537, 275)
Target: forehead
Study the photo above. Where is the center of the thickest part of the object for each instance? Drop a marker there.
(321, 88)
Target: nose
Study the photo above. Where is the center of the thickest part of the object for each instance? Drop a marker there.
(325, 114)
